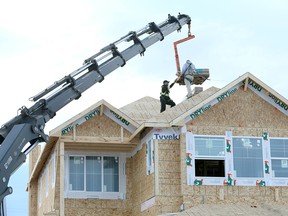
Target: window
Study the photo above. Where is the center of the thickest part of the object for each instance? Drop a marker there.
(47, 180)
(53, 170)
(150, 157)
(279, 157)
(248, 157)
(76, 173)
(209, 146)
(209, 156)
(40, 190)
(210, 168)
(96, 175)
(111, 174)
(93, 173)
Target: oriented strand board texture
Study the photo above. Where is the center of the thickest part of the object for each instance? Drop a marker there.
(147, 109)
(143, 185)
(32, 198)
(245, 114)
(33, 186)
(33, 156)
(99, 126)
(169, 197)
(89, 207)
(142, 109)
(50, 197)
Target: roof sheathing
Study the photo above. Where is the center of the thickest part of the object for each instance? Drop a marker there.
(142, 109)
(171, 113)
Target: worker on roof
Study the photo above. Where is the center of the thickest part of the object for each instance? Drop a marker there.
(187, 73)
(164, 95)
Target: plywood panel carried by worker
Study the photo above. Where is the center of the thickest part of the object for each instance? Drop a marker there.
(200, 75)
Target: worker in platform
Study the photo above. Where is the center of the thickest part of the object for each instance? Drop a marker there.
(164, 95)
(187, 73)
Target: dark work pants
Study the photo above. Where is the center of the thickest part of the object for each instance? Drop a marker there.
(166, 100)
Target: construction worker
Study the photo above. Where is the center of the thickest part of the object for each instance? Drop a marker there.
(187, 73)
(164, 95)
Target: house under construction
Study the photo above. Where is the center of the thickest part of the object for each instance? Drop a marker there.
(224, 146)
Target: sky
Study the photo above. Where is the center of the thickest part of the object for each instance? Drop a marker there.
(43, 41)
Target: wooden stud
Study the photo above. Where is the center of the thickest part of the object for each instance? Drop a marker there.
(101, 109)
(74, 132)
(122, 137)
(246, 84)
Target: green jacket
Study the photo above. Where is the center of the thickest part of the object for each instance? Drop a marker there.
(165, 89)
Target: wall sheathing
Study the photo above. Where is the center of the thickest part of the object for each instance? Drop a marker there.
(99, 126)
(245, 114)
(33, 187)
(143, 185)
(169, 198)
(49, 201)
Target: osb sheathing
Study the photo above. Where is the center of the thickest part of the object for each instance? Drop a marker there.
(89, 207)
(33, 157)
(142, 185)
(32, 198)
(99, 126)
(50, 202)
(169, 198)
(245, 114)
(33, 186)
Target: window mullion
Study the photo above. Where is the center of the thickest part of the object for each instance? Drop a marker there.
(102, 174)
(85, 173)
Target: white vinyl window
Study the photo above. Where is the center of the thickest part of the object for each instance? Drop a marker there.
(76, 173)
(209, 146)
(40, 191)
(53, 170)
(209, 156)
(279, 157)
(96, 175)
(248, 157)
(47, 180)
(150, 157)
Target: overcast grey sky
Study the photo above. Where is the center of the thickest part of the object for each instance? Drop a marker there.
(42, 41)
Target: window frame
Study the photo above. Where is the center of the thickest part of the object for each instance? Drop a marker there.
(40, 190)
(262, 157)
(150, 157)
(277, 158)
(221, 157)
(84, 194)
(47, 180)
(53, 169)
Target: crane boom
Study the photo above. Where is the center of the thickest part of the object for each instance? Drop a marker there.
(22, 133)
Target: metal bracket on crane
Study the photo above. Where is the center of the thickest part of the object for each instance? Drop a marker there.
(200, 74)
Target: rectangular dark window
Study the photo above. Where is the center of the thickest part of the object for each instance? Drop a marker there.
(210, 168)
